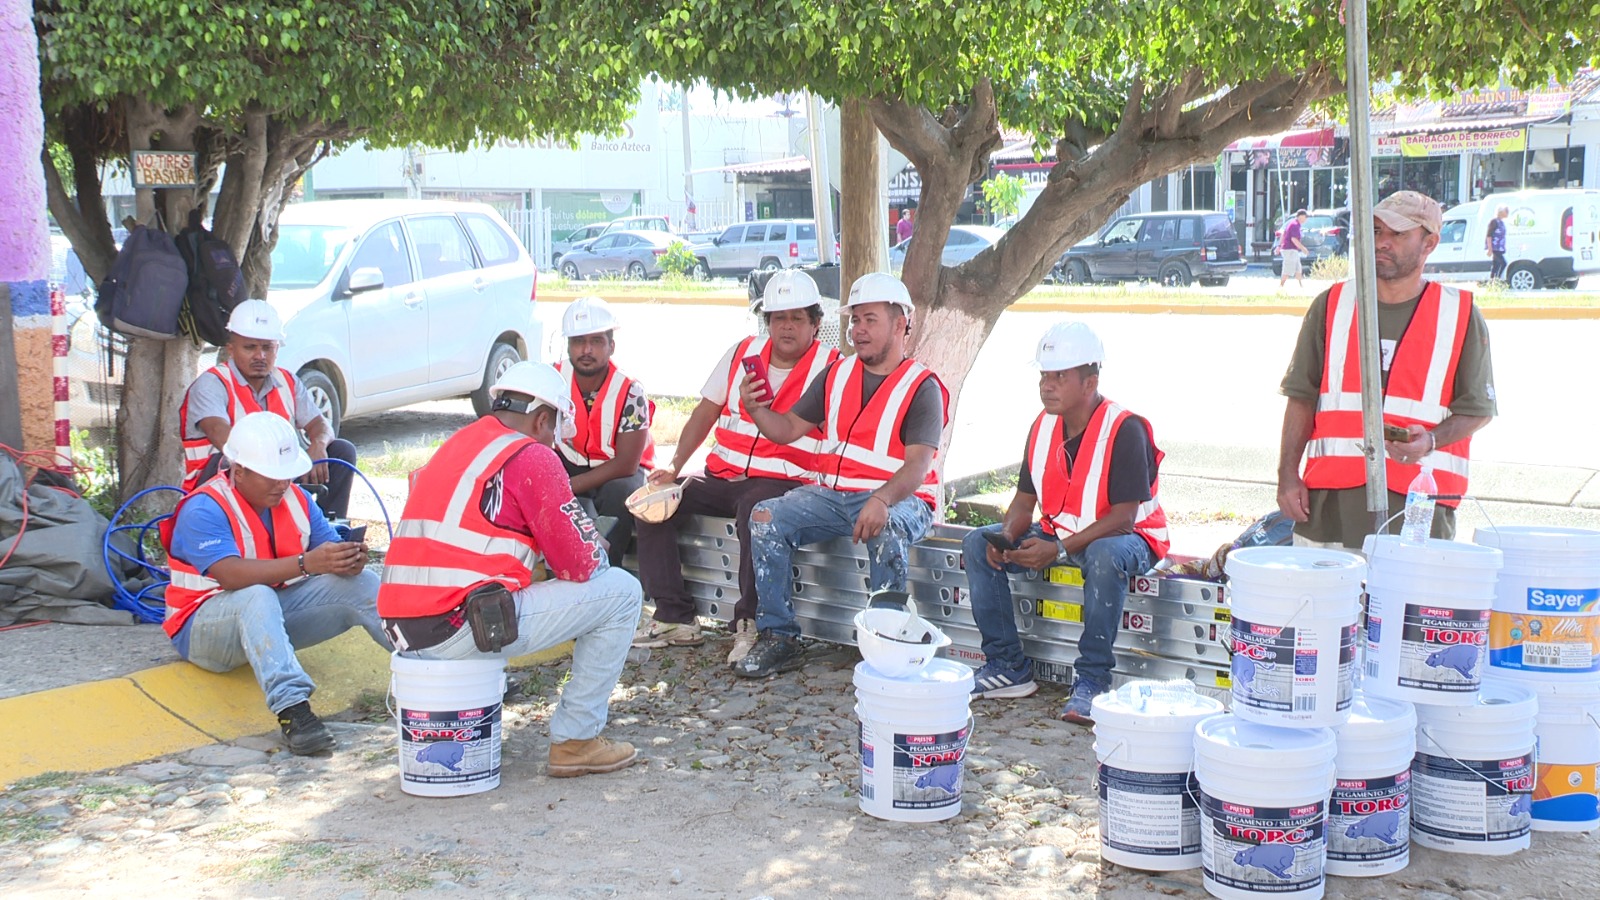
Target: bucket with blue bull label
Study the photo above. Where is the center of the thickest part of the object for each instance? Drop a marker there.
(448, 712)
(1546, 618)
(913, 740)
(1473, 775)
(1369, 814)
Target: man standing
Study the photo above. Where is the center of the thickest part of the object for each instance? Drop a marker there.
(1494, 243)
(903, 228)
(882, 415)
(495, 557)
(611, 451)
(744, 468)
(251, 382)
(1091, 468)
(255, 575)
(1291, 248)
(1438, 386)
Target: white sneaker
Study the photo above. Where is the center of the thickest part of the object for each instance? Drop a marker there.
(744, 638)
(668, 634)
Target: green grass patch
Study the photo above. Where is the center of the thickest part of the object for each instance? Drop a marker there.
(614, 286)
(43, 780)
(23, 828)
(371, 705)
(400, 461)
(672, 413)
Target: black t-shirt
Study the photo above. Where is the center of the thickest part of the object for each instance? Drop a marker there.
(924, 421)
(1133, 464)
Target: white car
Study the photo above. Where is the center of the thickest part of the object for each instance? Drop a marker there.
(392, 302)
(1552, 238)
(964, 242)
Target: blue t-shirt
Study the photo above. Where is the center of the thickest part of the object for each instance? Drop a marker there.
(203, 535)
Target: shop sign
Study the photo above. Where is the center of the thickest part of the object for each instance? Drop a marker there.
(1452, 143)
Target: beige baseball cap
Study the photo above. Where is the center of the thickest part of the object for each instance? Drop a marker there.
(1405, 210)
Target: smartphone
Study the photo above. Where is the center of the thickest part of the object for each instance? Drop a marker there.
(356, 535)
(1396, 433)
(999, 541)
(757, 368)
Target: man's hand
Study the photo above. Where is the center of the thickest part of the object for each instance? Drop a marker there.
(994, 555)
(753, 392)
(1035, 553)
(336, 558)
(871, 520)
(1412, 451)
(1294, 500)
(662, 476)
(319, 472)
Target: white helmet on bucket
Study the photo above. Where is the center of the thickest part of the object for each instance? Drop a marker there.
(789, 289)
(256, 319)
(587, 315)
(878, 287)
(1068, 345)
(266, 444)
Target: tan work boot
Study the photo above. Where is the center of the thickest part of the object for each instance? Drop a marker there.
(594, 756)
(744, 638)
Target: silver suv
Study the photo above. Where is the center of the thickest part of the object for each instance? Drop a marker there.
(763, 244)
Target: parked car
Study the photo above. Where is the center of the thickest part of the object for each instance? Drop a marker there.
(97, 357)
(576, 238)
(1326, 233)
(1175, 247)
(1552, 237)
(634, 254)
(762, 244)
(963, 243)
(392, 302)
(638, 223)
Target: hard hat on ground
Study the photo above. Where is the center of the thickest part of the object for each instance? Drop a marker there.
(256, 319)
(266, 444)
(654, 503)
(878, 287)
(1068, 345)
(587, 315)
(789, 289)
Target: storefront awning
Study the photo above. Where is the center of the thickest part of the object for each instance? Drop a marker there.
(785, 166)
(1306, 137)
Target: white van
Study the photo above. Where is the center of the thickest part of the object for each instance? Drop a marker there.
(1552, 238)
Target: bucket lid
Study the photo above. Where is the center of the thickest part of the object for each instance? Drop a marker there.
(1376, 718)
(1432, 552)
(1497, 701)
(1157, 705)
(1242, 745)
(1563, 691)
(939, 678)
(1539, 538)
(1305, 567)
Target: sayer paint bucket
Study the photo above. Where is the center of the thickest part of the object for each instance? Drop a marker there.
(449, 716)
(1472, 779)
(913, 743)
(1295, 617)
(1427, 618)
(1369, 816)
(1546, 618)
(1263, 808)
(1144, 740)
(1568, 729)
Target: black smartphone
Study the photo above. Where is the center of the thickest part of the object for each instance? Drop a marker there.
(999, 541)
(357, 534)
(1396, 433)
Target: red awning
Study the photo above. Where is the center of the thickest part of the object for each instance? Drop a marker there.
(1313, 137)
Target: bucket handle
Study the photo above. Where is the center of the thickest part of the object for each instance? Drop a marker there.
(1109, 753)
(1384, 528)
(1467, 768)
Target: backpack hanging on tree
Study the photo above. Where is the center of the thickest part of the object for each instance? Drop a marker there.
(143, 292)
(216, 285)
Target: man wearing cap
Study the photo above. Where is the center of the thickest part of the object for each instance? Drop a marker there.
(250, 381)
(743, 467)
(611, 452)
(1438, 385)
(494, 557)
(881, 414)
(1091, 468)
(255, 575)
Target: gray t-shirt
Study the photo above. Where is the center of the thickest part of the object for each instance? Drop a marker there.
(924, 420)
(208, 398)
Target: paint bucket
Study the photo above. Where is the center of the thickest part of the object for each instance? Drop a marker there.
(1427, 618)
(1472, 779)
(1263, 808)
(1295, 617)
(1369, 817)
(1144, 741)
(449, 717)
(1568, 729)
(1546, 619)
(913, 741)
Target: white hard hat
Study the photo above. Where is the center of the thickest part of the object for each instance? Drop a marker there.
(266, 444)
(537, 380)
(587, 315)
(878, 287)
(789, 289)
(1068, 345)
(654, 503)
(256, 319)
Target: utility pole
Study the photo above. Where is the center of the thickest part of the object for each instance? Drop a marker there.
(1358, 95)
(689, 210)
(821, 195)
(24, 238)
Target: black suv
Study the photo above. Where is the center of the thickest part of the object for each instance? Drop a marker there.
(1174, 247)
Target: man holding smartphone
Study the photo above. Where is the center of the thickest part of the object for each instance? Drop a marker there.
(1091, 468)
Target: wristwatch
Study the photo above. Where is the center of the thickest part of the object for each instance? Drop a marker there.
(1061, 553)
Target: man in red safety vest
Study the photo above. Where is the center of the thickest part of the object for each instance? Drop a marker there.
(1438, 385)
(1091, 468)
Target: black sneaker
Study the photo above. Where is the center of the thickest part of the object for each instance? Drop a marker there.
(772, 653)
(304, 732)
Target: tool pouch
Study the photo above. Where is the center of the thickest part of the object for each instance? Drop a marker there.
(492, 615)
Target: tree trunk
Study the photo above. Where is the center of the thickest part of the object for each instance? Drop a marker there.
(862, 222)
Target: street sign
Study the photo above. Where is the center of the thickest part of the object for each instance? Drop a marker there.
(164, 169)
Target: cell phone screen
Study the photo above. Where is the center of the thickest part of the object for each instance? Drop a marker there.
(357, 534)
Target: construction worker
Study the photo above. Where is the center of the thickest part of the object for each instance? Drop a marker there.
(255, 575)
(743, 467)
(1090, 467)
(250, 381)
(882, 416)
(610, 453)
(494, 557)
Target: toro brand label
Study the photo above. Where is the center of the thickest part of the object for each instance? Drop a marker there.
(1150, 813)
(1442, 649)
(927, 769)
(449, 746)
(1544, 643)
(1264, 849)
(1478, 800)
(1369, 819)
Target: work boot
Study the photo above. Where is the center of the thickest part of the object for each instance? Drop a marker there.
(668, 634)
(744, 640)
(595, 756)
(772, 653)
(304, 732)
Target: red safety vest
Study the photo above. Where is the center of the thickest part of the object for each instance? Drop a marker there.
(291, 536)
(861, 446)
(1422, 377)
(595, 442)
(740, 449)
(444, 546)
(1063, 498)
(241, 402)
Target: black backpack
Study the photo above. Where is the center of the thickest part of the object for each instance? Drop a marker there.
(216, 285)
(142, 294)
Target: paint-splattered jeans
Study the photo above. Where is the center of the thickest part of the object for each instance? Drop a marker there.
(810, 514)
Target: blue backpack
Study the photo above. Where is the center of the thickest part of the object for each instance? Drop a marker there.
(143, 292)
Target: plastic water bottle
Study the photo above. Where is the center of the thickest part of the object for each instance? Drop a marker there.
(1418, 523)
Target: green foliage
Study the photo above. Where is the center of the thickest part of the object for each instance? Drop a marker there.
(97, 473)
(1003, 194)
(678, 260)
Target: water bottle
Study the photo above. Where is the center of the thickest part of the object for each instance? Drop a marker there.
(1418, 522)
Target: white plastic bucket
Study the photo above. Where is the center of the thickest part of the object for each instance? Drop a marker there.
(448, 712)
(1144, 741)
(1568, 729)
(1369, 816)
(1263, 808)
(1295, 617)
(1546, 620)
(1472, 779)
(1427, 618)
(913, 741)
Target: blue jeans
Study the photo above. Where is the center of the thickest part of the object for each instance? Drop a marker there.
(263, 626)
(1107, 565)
(809, 514)
(598, 615)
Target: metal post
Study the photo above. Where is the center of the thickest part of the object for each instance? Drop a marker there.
(1366, 275)
(690, 218)
(821, 196)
